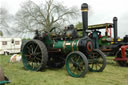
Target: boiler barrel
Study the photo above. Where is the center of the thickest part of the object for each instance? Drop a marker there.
(67, 46)
(84, 45)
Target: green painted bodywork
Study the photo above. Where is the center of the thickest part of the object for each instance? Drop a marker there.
(3, 82)
(72, 45)
(101, 43)
(48, 41)
(66, 46)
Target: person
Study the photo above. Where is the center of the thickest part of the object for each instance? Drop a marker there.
(73, 31)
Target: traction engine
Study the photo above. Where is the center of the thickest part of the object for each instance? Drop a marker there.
(55, 51)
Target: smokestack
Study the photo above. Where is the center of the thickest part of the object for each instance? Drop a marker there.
(115, 29)
(84, 9)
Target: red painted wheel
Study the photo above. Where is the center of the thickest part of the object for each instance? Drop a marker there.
(121, 63)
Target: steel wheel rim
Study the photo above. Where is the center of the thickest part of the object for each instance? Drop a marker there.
(75, 65)
(96, 62)
(31, 56)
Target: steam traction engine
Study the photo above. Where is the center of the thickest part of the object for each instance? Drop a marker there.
(52, 50)
(113, 46)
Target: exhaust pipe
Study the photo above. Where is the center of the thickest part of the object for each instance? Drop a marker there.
(84, 9)
(115, 29)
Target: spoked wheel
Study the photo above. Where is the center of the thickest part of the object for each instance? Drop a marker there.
(76, 64)
(34, 55)
(121, 63)
(97, 61)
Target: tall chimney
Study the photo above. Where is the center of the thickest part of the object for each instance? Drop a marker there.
(115, 29)
(84, 9)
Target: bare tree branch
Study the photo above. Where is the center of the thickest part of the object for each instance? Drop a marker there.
(5, 20)
(43, 17)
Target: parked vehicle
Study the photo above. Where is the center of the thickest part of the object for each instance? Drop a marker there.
(56, 50)
(10, 45)
(114, 46)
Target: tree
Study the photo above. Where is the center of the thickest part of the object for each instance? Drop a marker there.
(43, 17)
(1, 33)
(79, 25)
(5, 20)
(3, 17)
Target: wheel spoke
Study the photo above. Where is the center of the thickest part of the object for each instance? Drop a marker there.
(32, 50)
(28, 56)
(29, 50)
(38, 53)
(78, 59)
(36, 49)
(99, 65)
(33, 58)
(98, 62)
(92, 65)
(37, 58)
(96, 67)
(73, 62)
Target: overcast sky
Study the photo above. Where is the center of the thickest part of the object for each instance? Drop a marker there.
(101, 11)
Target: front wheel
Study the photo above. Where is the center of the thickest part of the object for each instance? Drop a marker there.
(76, 64)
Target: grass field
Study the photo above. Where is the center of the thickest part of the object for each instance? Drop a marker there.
(112, 75)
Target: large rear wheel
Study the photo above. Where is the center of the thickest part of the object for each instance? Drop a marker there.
(34, 55)
(76, 64)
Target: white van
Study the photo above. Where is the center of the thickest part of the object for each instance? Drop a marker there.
(10, 45)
